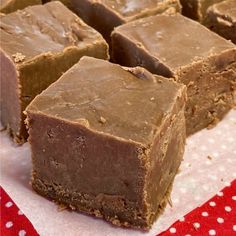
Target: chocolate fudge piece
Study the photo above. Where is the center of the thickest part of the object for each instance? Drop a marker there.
(65, 2)
(108, 141)
(38, 44)
(175, 46)
(8, 6)
(196, 9)
(221, 18)
(104, 15)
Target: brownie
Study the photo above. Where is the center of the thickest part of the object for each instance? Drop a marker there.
(196, 9)
(38, 44)
(221, 18)
(8, 6)
(104, 15)
(108, 141)
(175, 46)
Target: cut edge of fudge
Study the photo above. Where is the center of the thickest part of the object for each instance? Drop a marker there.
(222, 21)
(129, 51)
(221, 96)
(38, 186)
(135, 72)
(135, 201)
(139, 52)
(123, 30)
(196, 9)
(160, 8)
(11, 6)
(95, 9)
(12, 105)
(25, 66)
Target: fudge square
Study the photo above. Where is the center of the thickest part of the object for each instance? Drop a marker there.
(104, 15)
(108, 141)
(38, 44)
(175, 46)
(221, 18)
(7, 6)
(196, 9)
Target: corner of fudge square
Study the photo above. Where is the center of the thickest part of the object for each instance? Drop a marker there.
(8, 6)
(175, 46)
(221, 18)
(105, 15)
(38, 44)
(108, 141)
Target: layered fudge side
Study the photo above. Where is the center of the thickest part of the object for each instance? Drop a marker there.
(105, 15)
(221, 18)
(196, 9)
(8, 6)
(38, 44)
(108, 141)
(175, 46)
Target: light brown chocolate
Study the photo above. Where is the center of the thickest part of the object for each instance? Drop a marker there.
(196, 9)
(108, 141)
(38, 44)
(8, 6)
(175, 46)
(105, 15)
(221, 18)
(65, 2)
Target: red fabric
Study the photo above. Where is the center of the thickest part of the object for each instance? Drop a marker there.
(215, 217)
(13, 221)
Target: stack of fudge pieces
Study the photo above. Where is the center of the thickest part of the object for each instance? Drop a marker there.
(107, 138)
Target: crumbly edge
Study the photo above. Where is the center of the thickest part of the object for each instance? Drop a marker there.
(44, 190)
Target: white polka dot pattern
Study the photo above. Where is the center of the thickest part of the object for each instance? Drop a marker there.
(220, 220)
(9, 224)
(212, 232)
(8, 204)
(173, 230)
(22, 233)
(212, 204)
(234, 228)
(13, 222)
(228, 208)
(205, 213)
(211, 218)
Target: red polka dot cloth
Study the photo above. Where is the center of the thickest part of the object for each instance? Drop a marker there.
(13, 221)
(215, 217)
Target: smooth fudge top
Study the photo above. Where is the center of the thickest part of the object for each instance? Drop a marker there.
(41, 29)
(175, 40)
(228, 9)
(130, 8)
(129, 104)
